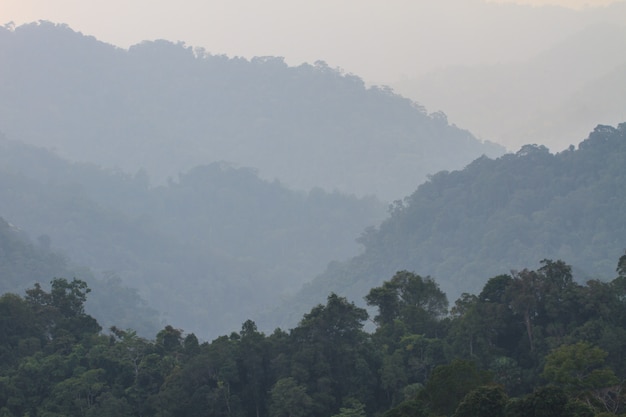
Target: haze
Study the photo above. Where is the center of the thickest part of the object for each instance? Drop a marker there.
(379, 41)
(391, 43)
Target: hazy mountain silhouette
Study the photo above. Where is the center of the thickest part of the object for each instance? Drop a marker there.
(167, 107)
(550, 98)
(208, 250)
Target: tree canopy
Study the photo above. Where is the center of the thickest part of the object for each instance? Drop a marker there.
(56, 360)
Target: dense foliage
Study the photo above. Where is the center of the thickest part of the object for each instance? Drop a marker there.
(498, 215)
(533, 343)
(167, 107)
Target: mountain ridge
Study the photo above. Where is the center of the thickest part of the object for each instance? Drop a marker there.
(496, 214)
(176, 107)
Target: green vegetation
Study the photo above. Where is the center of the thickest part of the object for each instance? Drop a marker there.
(224, 233)
(533, 343)
(495, 216)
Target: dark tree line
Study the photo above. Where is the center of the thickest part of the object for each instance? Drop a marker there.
(531, 343)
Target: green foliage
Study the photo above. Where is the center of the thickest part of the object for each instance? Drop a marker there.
(410, 408)
(355, 409)
(578, 367)
(499, 215)
(54, 362)
(288, 399)
(415, 302)
(449, 384)
(483, 401)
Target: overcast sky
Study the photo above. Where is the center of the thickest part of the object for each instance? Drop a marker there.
(380, 41)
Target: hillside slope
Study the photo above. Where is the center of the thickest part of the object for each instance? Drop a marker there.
(208, 250)
(494, 215)
(23, 263)
(167, 108)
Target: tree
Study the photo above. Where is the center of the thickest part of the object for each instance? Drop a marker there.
(549, 401)
(524, 293)
(559, 305)
(69, 296)
(578, 367)
(253, 367)
(20, 333)
(487, 400)
(416, 302)
(449, 384)
(62, 310)
(621, 266)
(354, 409)
(332, 355)
(78, 394)
(468, 330)
(411, 408)
(170, 339)
(289, 399)
(579, 370)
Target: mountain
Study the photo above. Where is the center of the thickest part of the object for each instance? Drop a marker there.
(23, 264)
(558, 94)
(207, 250)
(167, 107)
(496, 214)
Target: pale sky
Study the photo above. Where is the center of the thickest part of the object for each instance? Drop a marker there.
(380, 41)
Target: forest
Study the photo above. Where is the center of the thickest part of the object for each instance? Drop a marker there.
(530, 343)
(187, 234)
(496, 215)
(221, 231)
(168, 107)
(226, 234)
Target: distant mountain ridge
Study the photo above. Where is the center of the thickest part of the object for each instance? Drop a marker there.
(166, 107)
(464, 227)
(552, 97)
(208, 250)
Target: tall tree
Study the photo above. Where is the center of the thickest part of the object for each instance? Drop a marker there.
(416, 302)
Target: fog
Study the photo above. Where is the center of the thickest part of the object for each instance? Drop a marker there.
(150, 113)
(269, 208)
(402, 43)
(379, 41)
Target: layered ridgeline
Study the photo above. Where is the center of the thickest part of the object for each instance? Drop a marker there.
(208, 250)
(168, 107)
(494, 215)
(24, 263)
(579, 83)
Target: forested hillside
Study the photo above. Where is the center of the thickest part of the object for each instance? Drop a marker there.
(531, 343)
(23, 264)
(167, 107)
(496, 215)
(208, 250)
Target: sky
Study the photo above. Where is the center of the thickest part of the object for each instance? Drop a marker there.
(380, 41)
(385, 42)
